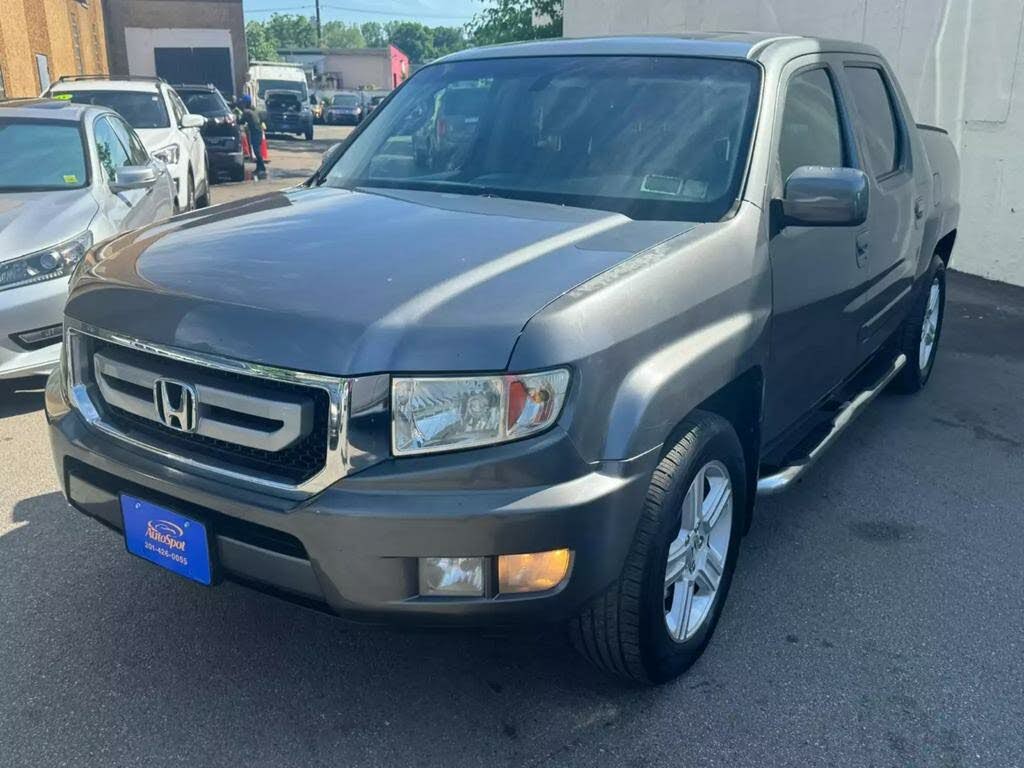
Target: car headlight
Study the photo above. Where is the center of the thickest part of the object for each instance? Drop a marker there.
(433, 414)
(168, 154)
(48, 264)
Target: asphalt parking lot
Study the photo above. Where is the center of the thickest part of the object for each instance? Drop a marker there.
(877, 619)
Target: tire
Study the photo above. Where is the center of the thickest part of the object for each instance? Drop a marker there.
(625, 631)
(190, 195)
(309, 135)
(929, 306)
(203, 200)
(238, 172)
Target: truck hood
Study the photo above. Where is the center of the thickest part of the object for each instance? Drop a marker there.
(31, 221)
(342, 282)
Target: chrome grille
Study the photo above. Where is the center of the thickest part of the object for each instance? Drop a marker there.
(279, 430)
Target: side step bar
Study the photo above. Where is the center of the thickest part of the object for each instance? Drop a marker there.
(769, 485)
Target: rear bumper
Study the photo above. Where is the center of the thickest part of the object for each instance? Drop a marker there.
(24, 309)
(225, 163)
(354, 548)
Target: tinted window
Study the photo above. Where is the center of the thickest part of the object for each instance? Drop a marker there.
(299, 86)
(811, 133)
(111, 152)
(36, 154)
(142, 109)
(346, 100)
(877, 123)
(650, 137)
(205, 103)
(289, 101)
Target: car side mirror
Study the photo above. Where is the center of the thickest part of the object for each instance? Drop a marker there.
(134, 177)
(817, 196)
(192, 121)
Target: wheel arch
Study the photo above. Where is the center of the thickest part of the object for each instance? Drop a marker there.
(741, 403)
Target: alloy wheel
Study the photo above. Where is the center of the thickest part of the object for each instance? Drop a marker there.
(930, 325)
(696, 557)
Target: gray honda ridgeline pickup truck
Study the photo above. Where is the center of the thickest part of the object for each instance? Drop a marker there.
(529, 344)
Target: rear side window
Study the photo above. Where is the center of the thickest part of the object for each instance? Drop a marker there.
(811, 132)
(879, 126)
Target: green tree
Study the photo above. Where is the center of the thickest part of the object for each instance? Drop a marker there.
(258, 42)
(448, 40)
(506, 21)
(374, 34)
(416, 39)
(292, 30)
(338, 34)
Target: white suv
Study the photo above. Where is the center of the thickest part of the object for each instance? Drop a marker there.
(169, 131)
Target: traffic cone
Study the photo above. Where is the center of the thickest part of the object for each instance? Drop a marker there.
(263, 149)
(246, 149)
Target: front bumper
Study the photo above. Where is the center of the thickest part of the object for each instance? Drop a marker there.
(354, 548)
(25, 309)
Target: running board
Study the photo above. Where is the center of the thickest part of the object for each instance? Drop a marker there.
(769, 485)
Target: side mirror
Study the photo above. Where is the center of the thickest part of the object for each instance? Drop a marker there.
(192, 121)
(817, 196)
(134, 177)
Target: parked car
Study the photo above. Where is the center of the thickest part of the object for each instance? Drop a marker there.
(545, 382)
(287, 113)
(221, 133)
(70, 176)
(455, 117)
(317, 105)
(345, 109)
(169, 132)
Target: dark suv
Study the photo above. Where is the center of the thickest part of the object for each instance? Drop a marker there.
(221, 133)
(286, 112)
(537, 370)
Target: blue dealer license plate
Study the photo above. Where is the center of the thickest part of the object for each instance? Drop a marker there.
(166, 538)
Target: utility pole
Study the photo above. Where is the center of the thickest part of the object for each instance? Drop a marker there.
(319, 35)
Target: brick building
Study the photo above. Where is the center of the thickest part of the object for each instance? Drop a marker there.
(41, 40)
(182, 41)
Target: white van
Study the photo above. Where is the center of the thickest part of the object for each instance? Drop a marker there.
(275, 76)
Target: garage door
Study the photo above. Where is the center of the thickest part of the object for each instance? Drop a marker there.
(196, 65)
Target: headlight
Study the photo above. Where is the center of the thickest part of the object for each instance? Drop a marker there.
(449, 413)
(58, 261)
(168, 154)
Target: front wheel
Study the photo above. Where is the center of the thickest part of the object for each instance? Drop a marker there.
(919, 337)
(654, 622)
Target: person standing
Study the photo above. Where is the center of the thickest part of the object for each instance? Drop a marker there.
(254, 127)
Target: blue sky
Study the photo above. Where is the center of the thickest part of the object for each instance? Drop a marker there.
(430, 12)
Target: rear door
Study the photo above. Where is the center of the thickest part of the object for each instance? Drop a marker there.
(817, 273)
(895, 214)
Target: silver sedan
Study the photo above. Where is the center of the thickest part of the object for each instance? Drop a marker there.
(70, 176)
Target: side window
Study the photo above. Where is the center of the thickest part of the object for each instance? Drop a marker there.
(811, 132)
(137, 154)
(878, 122)
(111, 152)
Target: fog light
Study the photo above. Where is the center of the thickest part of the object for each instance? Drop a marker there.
(452, 576)
(532, 572)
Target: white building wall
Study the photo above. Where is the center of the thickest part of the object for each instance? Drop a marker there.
(142, 42)
(961, 63)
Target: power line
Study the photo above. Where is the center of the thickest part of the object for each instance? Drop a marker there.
(350, 9)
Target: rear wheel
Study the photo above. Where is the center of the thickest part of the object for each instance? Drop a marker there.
(654, 622)
(918, 339)
(190, 195)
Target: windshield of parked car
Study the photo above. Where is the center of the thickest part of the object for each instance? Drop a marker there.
(142, 109)
(345, 100)
(205, 103)
(283, 101)
(297, 86)
(649, 137)
(41, 155)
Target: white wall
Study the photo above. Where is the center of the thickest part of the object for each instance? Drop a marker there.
(961, 63)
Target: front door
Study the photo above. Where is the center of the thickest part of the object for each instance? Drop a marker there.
(817, 272)
(123, 210)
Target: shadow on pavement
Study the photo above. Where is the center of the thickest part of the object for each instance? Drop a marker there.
(18, 396)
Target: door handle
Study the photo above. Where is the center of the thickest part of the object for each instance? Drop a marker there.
(919, 208)
(863, 245)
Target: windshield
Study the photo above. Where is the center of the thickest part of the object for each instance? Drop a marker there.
(649, 137)
(346, 100)
(41, 155)
(297, 86)
(283, 101)
(142, 109)
(205, 103)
